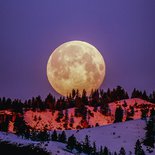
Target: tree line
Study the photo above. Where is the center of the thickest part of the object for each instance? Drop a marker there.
(74, 99)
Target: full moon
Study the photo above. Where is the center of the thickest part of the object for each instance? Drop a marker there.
(75, 65)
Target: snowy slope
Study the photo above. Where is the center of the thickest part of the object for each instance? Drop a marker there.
(113, 136)
(54, 148)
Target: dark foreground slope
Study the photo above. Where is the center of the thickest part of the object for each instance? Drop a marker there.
(8, 149)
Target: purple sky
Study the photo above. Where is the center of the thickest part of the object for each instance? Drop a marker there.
(123, 31)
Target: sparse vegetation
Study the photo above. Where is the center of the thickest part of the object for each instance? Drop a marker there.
(59, 109)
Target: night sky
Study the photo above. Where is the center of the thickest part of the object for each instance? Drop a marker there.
(123, 31)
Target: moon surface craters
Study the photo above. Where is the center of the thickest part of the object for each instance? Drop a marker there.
(75, 65)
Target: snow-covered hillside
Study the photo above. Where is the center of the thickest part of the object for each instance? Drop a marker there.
(113, 136)
(39, 120)
(54, 148)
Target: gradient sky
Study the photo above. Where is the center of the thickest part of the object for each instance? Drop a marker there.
(123, 31)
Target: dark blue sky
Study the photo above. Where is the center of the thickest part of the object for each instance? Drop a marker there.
(123, 31)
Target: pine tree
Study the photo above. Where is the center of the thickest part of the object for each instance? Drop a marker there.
(35, 118)
(73, 93)
(152, 112)
(136, 94)
(84, 97)
(105, 108)
(138, 148)
(66, 119)
(5, 125)
(118, 114)
(106, 151)
(33, 135)
(71, 143)
(149, 135)
(62, 137)
(124, 104)
(122, 151)
(143, 113)
(86, 146)
(94, 148)
(59, 116)
(152, 97)
(27, 133)
(144, 96)
(132, 111)
(54, 136)
(71, 121)
(101, 151)
(20, 126)
(43, 135)
(128, 116)
(79, 147)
